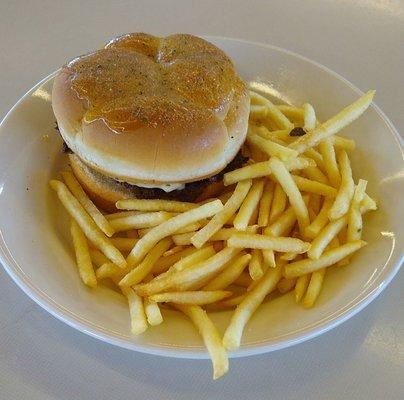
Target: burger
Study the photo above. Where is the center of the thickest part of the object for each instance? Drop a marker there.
(149, 117)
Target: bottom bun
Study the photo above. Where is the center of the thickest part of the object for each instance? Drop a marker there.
(105, 191)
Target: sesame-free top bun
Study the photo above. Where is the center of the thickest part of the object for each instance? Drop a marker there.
(148, 109)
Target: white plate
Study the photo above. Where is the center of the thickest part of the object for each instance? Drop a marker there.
(36, 251)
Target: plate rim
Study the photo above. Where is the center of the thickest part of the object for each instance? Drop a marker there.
(16, 273)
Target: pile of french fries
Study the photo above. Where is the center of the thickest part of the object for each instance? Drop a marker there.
(286, 216)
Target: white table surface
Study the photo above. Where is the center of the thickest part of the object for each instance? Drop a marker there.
(41, 358)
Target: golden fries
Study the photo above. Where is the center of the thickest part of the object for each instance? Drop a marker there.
(146, 266)
(330, 162)
(194, 274)
(309, 117)
(152, 311)
(232, 271)
(255, 241)
(302, 283)
(273, 112)
(271, 148)
(346, 190)
(199, 255)
(307, 185)
(334, 124)
(290, 188)
(78, 192)
(265, 203)
(255, 267)
(328, 258)
(211, 338)
(136, 310)
(137, 221)
(192, 298)
(354, 231)
(154, 205)
(218, 220)
(83, 257)
(278, 203)
(124, 244)
(87, 224)
(314, 288)
(244, 311)
(171, 226)
(249, 205)
(326, 235)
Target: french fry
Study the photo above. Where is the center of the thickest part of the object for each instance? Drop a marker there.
(271, 148)
(326, 235)
(110, 270)
(221, 234)
(302, 283)
(249, 205)
(193, 298)
(307, 185)
(137, 274)
(330, 162)
(230, 303)
(136, 310)
(199, 255)
(83, 258)
(286, 285)
(314, 288)
(218, 220)
(86, 223)
(244, 311)
(278, 203)
(294, 114)
(273, 112)
(210, 336)
(257, 112)
(282, 224)
(75, 188)
(97, 258)
(255, 266)
(316, 157)
(154, 205)
(275, 136)
(321, 220)
(288, 256)
(255, 241)
(265, 203)
(146, 220)
(268, 258)
(194, 274)
(345, 191)
(354, 231)
(169, 227)
(290, 188)
(232, 271)
(309, 116)
(165, 262)
(334, 124)
(152, 311)
(121, 214)
(342, 143)
(315, 174)
(186, 229)
(262, 168)
(124, 244)
(328, 258)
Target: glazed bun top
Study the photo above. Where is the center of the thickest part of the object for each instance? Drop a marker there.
(152, 110)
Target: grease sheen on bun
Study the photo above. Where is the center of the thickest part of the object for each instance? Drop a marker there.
(152, 110)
